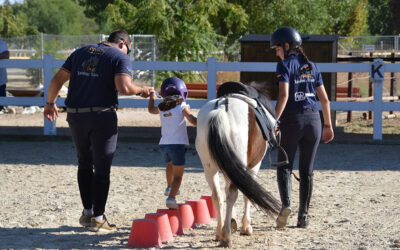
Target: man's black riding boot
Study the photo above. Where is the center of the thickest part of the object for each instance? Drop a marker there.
(306, 186)
(285, 189)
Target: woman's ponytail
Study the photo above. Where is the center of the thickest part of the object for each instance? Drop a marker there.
(305, 58)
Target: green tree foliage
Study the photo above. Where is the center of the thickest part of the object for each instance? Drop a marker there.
(94, 9)
(307, 16)
(380, 19)
(238, 17)
(395, 11)
(183, 28)
(230, 23)
(12, 25)
(56, 17)
(192, 30)
(356, 20)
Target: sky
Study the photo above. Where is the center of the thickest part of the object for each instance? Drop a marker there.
(11, 1)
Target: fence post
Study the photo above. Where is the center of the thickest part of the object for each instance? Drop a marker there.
(48, 61)
(211, 78)
(377, 75)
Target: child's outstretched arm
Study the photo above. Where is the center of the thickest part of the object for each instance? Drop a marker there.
(191, 118)
(151, 108)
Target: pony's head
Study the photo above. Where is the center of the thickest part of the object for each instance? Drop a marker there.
(261, 87)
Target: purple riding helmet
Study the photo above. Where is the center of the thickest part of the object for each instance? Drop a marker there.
(174, 86)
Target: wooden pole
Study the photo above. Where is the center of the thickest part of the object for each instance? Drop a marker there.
(370, 90)
(393, 82)
(349, 92)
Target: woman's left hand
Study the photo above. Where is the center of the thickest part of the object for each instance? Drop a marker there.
(327, 134)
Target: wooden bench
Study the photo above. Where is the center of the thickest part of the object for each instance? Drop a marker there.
(24, 92)
(342, 92)
(198, 89)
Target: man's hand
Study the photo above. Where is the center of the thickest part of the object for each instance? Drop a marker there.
(146, 91)
(50, 112)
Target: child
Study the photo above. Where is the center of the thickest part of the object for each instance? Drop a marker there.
(173, 110)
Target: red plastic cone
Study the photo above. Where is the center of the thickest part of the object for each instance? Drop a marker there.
(144, 233)
(187, 216)
(174, 220)
(164, 228)
(210, 205)
(200, 211)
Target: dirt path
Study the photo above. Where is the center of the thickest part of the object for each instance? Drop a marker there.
(354, 205)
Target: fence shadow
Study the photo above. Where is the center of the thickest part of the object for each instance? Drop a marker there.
(66, 236)
(138, 147)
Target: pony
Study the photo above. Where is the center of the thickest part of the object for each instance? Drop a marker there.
(229, 139)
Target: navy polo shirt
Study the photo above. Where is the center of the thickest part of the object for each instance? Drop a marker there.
(92, 70)
(302, 83)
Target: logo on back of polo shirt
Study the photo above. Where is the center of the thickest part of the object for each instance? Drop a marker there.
(91, 64)
(301, 96)
(89, 67)
(95, 51)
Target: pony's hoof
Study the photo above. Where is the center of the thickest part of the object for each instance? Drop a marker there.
(234, 225)
(225, 243)
(248, 231)
(218, 238)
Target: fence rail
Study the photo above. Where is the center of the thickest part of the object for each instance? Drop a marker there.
(212, 66)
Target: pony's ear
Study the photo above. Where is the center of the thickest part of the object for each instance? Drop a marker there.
(261, 87)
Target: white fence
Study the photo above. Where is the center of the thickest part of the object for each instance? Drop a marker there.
(212, 66)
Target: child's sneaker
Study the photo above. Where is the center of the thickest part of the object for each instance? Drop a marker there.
(171, 203)
(167, 190)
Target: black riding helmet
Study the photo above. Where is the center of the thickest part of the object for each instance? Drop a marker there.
(286, 35)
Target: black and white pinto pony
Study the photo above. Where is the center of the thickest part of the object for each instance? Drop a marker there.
(230, 140)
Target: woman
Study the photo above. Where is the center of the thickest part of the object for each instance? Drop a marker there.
(300, 83)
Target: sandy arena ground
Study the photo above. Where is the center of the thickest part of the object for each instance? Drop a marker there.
(355, 203)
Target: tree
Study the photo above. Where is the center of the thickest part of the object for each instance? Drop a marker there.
(380, 19)
(183, 29)
(356, 20)
(94, 9)
(56, 17)
(12, 25)
(230, 23)
(238, 17)
(192, 30)
(395, 11)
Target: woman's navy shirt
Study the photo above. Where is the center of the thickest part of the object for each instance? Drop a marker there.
(302, 83)
(92, 70)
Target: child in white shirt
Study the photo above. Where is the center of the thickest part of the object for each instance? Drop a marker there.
(173, 110)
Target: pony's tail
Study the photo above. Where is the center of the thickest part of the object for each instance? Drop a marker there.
(232, 167)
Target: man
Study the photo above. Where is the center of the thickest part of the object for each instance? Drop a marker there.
(96, 74)
(4, 54)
